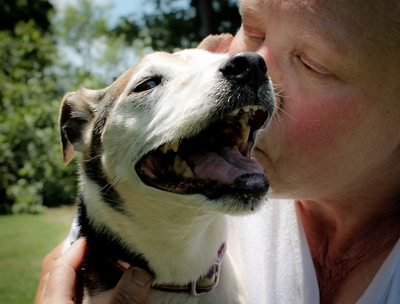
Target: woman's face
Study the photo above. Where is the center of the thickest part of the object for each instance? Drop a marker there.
(336, 66)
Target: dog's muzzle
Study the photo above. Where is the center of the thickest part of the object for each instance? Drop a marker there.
(217, 160)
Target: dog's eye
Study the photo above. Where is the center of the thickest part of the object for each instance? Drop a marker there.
(147, 85)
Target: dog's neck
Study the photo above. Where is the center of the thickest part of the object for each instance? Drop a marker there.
(204, 284)
(180, 242)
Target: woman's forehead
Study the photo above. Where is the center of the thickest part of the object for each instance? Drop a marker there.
(371, 19)
(344, 35)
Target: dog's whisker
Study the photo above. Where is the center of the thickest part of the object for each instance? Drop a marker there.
(90, 159)
(281, 110)
(277, 86)
(278, 94)
(110, 186)
(116, 185)
(278, 116)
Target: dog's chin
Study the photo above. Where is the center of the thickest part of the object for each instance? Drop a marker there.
(216, 162)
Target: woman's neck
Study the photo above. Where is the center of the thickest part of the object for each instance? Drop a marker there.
(348, 244)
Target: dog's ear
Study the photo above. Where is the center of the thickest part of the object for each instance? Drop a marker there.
(216, 43)
(76, 112)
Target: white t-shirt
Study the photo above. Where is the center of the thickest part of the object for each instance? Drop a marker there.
(278, 265)
(272, 249)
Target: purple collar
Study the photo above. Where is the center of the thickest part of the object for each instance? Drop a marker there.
(203, 285)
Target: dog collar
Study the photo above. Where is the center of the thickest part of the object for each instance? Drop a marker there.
(203, 285)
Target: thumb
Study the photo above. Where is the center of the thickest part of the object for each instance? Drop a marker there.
(132, 288)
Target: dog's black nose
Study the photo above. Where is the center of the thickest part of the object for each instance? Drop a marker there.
(245, 67)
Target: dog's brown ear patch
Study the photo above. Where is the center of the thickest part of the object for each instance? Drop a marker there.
(216, 43)
(76, 112)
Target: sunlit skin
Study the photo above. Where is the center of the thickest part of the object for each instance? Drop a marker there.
(334, 144)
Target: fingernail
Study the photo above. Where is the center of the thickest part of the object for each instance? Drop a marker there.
(140, 277)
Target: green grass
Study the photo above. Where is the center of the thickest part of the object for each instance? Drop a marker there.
(24, 242)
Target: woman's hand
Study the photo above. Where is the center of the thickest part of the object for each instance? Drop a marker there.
(58, 285)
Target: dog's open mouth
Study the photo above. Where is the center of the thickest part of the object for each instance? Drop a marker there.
(215, 162)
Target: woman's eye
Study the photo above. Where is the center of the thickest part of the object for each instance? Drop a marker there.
(147, 85)
(253, 38)
(304, 63)
(307, 66)
(313, 66)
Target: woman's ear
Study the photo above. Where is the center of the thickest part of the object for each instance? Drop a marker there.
(216, 43)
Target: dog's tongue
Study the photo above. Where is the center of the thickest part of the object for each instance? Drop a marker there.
(224, 166)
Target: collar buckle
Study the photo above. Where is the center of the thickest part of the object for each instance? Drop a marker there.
(202, 286)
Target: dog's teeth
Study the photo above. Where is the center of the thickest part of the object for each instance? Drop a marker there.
(179, 165)
(188, 173)
(245, 134)
(235, 112)
(164, 148)
(246, 108)
(175, 145)
(255, 108)
(243, 121)
(170, 146)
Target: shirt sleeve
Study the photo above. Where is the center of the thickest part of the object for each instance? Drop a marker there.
(72, 235)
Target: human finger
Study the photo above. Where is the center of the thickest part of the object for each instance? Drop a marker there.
(132, 288)
(47, 263)
(60, 287)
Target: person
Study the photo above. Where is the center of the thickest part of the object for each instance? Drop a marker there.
(58, 283)
(332, 153)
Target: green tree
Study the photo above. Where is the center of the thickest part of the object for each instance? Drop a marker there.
(31, 171)
(12, 12)
(100, 53)
(80, 27)
(172, 27)
(33, 79)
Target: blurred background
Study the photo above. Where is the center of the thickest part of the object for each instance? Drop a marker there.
(48, 48)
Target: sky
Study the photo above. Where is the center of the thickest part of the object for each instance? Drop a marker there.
(124, 6)
(121, 7)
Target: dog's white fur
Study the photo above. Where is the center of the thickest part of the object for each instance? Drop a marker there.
(169, 229)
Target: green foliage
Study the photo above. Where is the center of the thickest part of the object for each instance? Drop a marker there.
(173, 30)
(99, 52)
(12, 12)
(33, 79)
(127, 27)
(32, 83)
(81, 26)
(172, 27)
(31, 170)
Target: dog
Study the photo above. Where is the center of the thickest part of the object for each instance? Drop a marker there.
(165, 157)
